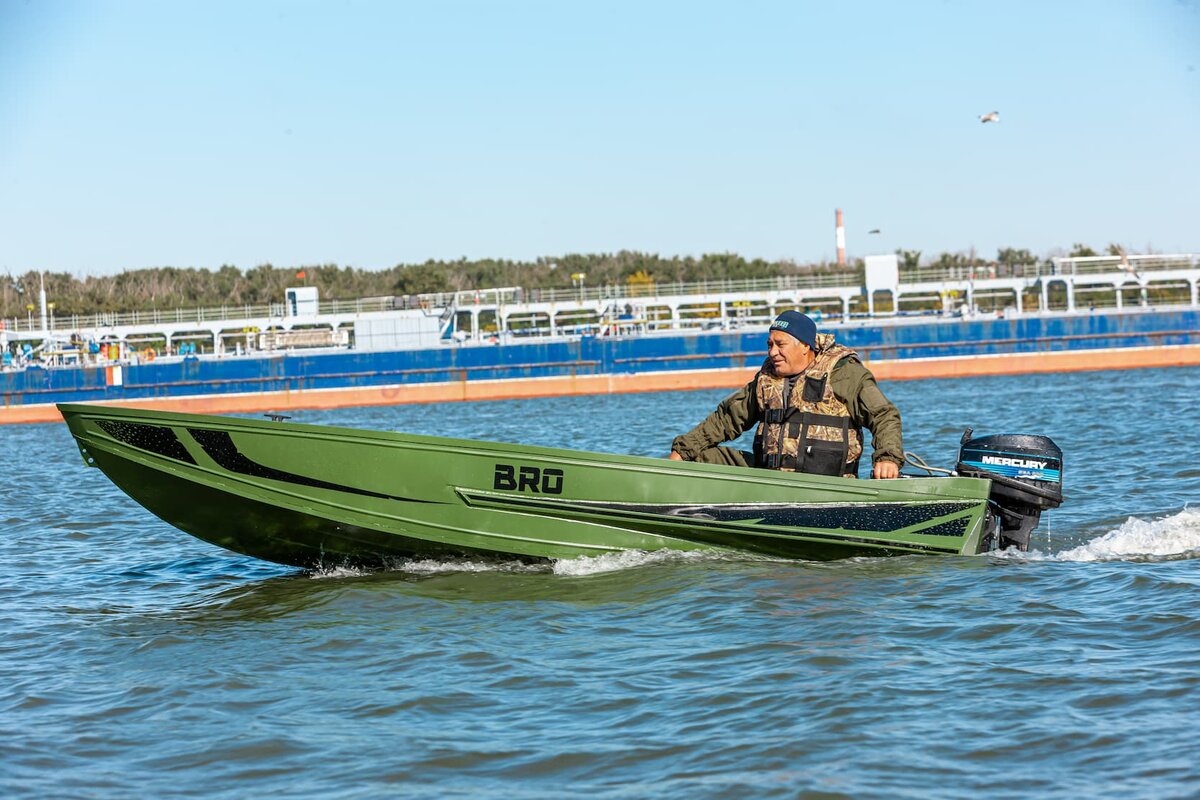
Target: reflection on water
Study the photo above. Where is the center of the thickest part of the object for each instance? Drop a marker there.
(139, 660)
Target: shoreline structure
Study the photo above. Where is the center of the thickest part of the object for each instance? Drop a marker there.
(1092, 314)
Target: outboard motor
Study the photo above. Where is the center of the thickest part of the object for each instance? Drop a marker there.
(1026, 476)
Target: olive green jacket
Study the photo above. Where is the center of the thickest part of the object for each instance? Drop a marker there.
(853, 384)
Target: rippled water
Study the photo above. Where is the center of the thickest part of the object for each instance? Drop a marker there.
(138, 661)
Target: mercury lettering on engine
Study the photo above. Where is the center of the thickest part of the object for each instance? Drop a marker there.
(1014, 462)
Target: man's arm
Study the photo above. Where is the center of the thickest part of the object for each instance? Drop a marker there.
(734, 416)
(869, 408)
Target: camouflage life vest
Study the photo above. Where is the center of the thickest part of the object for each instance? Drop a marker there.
(811, 432)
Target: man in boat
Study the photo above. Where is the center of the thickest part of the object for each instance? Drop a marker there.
(810, 400)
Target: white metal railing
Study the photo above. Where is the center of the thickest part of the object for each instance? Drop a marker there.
(200, 316)
(1092, 265)
(649, 291)
(641, 293)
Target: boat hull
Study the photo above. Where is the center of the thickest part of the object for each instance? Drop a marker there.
(313, 496)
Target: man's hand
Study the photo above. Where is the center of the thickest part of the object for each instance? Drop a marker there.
(886, 469)
(675, 456)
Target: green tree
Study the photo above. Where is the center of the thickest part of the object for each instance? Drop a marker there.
(422, 279)
(909, 259)
(1014, 261)
(947, 261)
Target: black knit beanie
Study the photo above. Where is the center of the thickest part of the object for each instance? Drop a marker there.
(797, 325)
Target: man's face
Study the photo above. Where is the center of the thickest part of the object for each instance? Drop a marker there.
(788, 354)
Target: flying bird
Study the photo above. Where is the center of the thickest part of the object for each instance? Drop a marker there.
(1130, 268)
(873, 230)
(991, 116)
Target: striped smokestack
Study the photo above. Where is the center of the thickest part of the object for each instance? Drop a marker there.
(841, 238)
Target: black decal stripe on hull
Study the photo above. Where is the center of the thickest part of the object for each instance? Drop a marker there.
(153, 438)
(613, 512)
(883, 517)
(220, 448)
(857, 517)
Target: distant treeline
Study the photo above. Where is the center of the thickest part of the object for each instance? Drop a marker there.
(174, 287)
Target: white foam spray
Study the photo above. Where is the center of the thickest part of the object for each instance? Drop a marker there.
(428, 566)
(630, 559)
(1169, 538)
(337, 572)
(571, 567)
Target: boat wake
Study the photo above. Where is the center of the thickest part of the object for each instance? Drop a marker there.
(630, 559)
(321, 573)
(427, 566)
(569, 567)
(1172, 538)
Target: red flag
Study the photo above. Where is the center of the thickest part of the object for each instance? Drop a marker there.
(301, 275)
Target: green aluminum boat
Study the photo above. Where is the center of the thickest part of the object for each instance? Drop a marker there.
(314, 496)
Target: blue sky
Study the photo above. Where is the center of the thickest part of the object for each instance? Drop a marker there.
(139, 134)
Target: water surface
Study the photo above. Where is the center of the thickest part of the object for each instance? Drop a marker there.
(137, 660)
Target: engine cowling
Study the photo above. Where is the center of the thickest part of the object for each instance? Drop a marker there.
(1026, 475)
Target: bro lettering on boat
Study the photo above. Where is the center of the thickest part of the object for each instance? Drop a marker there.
(545, 481)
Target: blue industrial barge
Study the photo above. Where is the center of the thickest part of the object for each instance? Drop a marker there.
(509, 343)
